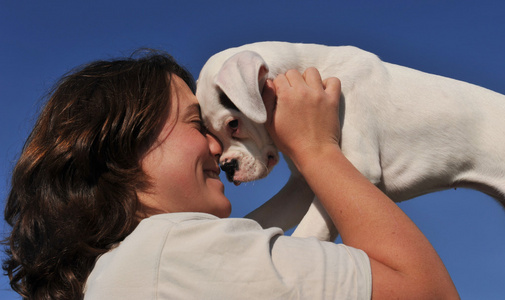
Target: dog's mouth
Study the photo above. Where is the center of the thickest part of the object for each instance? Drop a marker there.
(231, 167)
(272, 160)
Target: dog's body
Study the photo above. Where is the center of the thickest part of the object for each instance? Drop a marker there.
(408, 132)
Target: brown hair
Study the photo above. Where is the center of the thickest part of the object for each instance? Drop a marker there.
(73, 189)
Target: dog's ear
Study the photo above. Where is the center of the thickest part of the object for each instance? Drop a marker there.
(242, 78)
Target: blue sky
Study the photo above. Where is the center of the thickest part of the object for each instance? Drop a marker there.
(41, 40)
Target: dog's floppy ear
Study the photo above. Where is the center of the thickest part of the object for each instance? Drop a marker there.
(242, 78)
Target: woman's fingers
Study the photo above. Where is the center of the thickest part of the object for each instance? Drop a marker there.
(313, 78)
(332, 85)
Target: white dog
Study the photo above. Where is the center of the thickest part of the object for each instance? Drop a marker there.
(408, 132)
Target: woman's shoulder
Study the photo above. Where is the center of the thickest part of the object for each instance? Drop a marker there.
(157, 240)
(166, 240)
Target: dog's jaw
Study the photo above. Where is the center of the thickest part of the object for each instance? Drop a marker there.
(241, 165)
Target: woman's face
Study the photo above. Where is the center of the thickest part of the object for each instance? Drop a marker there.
(182, 165)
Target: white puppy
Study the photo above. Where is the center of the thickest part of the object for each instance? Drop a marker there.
(408, 132)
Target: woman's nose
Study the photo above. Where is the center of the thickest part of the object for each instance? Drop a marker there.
(215, 146)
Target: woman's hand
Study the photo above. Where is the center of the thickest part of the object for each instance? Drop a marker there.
(302, 112)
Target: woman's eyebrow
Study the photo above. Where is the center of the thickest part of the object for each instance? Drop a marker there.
(191, 110)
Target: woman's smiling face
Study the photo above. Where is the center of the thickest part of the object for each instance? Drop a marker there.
(182, 165)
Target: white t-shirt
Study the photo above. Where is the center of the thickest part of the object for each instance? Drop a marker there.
(199, 256)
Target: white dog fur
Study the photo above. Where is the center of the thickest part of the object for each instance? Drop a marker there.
(409, 132)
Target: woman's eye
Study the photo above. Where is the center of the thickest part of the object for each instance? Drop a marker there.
(201, 126)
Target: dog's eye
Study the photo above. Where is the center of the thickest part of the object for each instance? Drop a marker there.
(233, 124)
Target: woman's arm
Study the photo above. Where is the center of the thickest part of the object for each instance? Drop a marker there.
(305, 126)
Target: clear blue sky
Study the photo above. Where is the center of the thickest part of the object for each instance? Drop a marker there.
(41, 40)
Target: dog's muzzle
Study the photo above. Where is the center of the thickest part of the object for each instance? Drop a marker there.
(229, 167)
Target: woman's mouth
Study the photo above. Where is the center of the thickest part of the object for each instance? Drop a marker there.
(213, 174)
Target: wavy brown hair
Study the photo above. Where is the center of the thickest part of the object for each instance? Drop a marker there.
(73, 189)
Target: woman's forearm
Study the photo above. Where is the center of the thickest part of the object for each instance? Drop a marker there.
(403, 261)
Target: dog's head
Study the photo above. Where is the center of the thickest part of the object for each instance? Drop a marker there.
(229, 91)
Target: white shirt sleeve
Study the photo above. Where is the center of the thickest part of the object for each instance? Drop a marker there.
(198, 256)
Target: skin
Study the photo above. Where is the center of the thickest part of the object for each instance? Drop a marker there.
(183, 163)
(303, 120)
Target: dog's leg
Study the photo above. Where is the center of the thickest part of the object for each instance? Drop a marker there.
(287, 207)
(316, 223)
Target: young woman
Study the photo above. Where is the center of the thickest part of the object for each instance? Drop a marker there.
(116, 195)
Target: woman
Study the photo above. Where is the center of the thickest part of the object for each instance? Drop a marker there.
(116, 195)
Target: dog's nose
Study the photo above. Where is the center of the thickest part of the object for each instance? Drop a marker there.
(229, 167)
